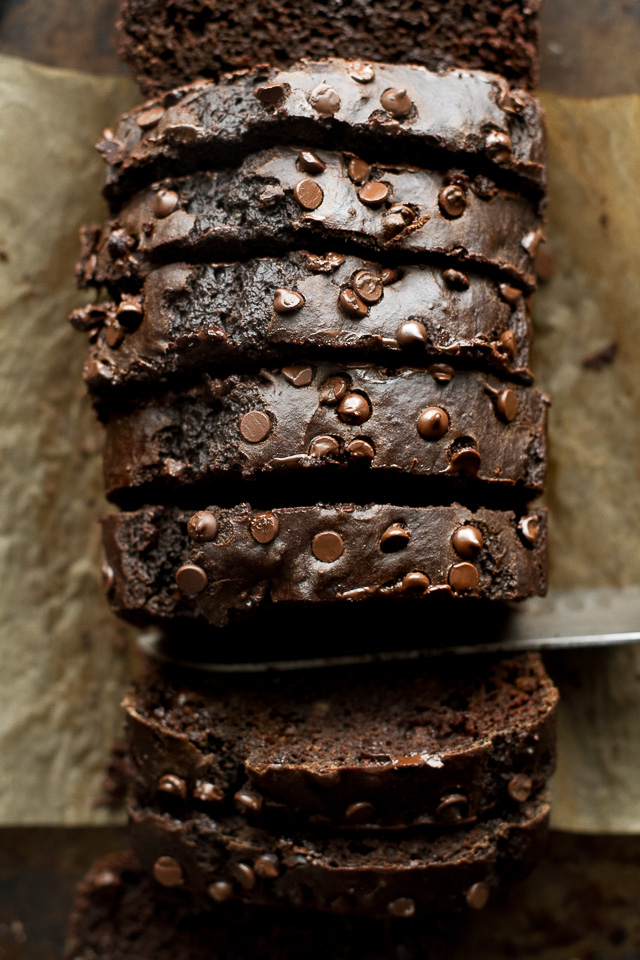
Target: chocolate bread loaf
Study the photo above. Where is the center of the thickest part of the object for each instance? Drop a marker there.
(189, 319)
(228, 561)
(438, 743)
(274, 202)
(166, 46)
(391, 111)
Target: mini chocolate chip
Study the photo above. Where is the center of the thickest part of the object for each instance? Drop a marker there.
(326, 263)
(415, 583)
(174, 786)
(508, 343)
(333, 390)
(433, 423)
(396, 102)
(202, 526)
(220, 891)
(168, 872)
(324, 100)
(267, 867)
(411, 332)
(467, 541)
(509, 293)
(506, 404)
(455, 279)
(529, 529)
(164, 203)
(150, 117)
(351, 304)
(395, 538)
(244, 800)
(362, 72)
(324, 446)
(477, 895)
(298, 374)
(453, 201)
(520, 787)
(452, 808)
(388, 276)
(118, 244)
(499, 145)
(309, 163)
(308, 193)
(114, 334)
(244, 874)
(255, 426)
(327, 546)
(191, 579)
(368, 286)
(264, 526)
(374, 193)
(403, 907)
(270, 94)
(286, 301)
(129, 314)
(354, 408)
(207, 792)
(360, 450)
(441, 372)
(465, 460)
(532, 241)
(359, 171)
(361, 812)
(463, 576)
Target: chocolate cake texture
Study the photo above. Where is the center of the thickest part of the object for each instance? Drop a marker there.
(229, 561)
(274, 202)
(169, 45)
(391, 110)
(189, 319)
(437, 743)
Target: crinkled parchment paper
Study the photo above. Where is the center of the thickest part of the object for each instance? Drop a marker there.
(64, 656)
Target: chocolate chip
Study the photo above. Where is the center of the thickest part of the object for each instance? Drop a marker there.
(441, 372)
(324, 100)
(326, 263)
(403, 907)
(453, 808)
(114, 335)
(118, 244)
(465, 460)
(499, 145)
(455, 279)
(354, 408)
(367, 286)
(245, 800)
(191, 579)
(220, 891)
(309, 163)
(286, 301)
(360, 450)
(149, 118)
(396, 219)
(129, 314)
(509, 293)
(255, 426)
(327, 546)
(453, 201)
(267, 867)
(433, 423)
(411, 332)
(324, 446)
(467, 541)
(506, 404)
(361, 812)
(529, 529)
(519, 788)
(168, 872)
(374, 193)
(264, 526)
(507, 343)
(358, 170)
(395, 538)
(174, 786)
(244, 874)
(415, 583)
(477, 895)
(532, 241)
(351, 304)
(164, 203)
(111, 151)
(308, 194)
(107, 577)
(388, 276)
(270, 94)
(207, 792)
(463, 576)
(396, 102)
(333, 390)
(202, 526)
(362, 72)
(298, 374)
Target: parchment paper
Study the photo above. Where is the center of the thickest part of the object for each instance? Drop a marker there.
(64, 655)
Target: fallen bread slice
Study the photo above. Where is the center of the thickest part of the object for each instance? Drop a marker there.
(372, 746)
(402, 112)
(401, 875)
(229, 561)
(272, 202)
(188, 319)
(464, 430)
